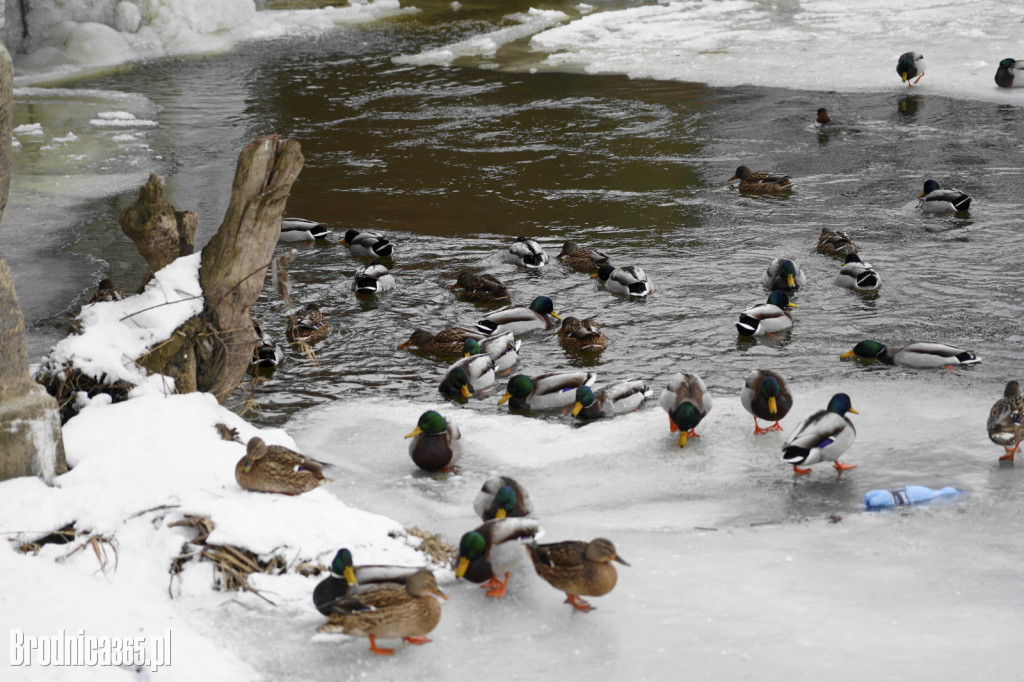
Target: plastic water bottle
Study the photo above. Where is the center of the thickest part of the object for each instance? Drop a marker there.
(906, 496)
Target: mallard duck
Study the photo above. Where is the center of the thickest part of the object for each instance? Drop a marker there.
(373, 278)
(582, 258)
(276, 469)
(518, 319)
(494, 549)
(308, 326)
(392, 610)
(301, 230)
(435, 444)
(527, 253)
(766, 395)
(369, 244)
(582, 335)
(618, 398)
(783, 274)
(1005, 74)
(266, 353)
(938, 200)
(577, 568)
(824, 124)
(909, 65)
(1006, 420)
(480, 288)
(628, 281)
(107, 292)
(920, 355)
(687, 402)
(346, 580)
(502, 349)
(467, 376)
(835, 243)
(545, 392)
(857, 275)
(761, 181)
(445, 342)
(502, 496)
(822, 437)
(767, 318)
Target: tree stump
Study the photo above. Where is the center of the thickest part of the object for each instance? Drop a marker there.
(160, 233)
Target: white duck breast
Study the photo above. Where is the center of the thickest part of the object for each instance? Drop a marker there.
(763, 319)
(623, 396)
(373, 279)
(859, 276)
(514, 318)
(301, 230)
(631, 281)
(554, 390)
(508, 538)
(1010, 73)
(933, 355)
(503, 349)
(822, 437)
(528, 253)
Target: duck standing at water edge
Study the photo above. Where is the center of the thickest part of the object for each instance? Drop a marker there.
(766, 395)
(1006, 74)
(1006, 421)
(910, 65)
(687, 402)
(494, 549)
(436, 444)
(502, 496)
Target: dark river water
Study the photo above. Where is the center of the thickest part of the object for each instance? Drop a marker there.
(454, 163)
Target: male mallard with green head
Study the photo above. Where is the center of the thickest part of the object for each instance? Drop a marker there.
(822, 437)
(545, 392)
(1006, 420)
(347, 579)
(618, 398)
(519, 319)
(766, 395)
(435, 444)
(919, 355)
(909, 65)
(493, 549)
(687, 402)
(502, 496)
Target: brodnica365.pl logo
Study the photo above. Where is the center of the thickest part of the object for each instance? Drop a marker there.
(81, 649)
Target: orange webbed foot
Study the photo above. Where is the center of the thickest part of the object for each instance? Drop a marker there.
(1008, 457)
(693, 434)
(578, 602)
(800, 472)
(416, 640)
(672, 426)
(776, 427)
(839, 466)
(499, 591)
(490, 584)
(378, 651)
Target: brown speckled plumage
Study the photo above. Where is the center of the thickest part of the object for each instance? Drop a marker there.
(276, 469)
(577, 568)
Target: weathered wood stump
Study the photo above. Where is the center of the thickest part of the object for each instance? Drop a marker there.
(160, 233)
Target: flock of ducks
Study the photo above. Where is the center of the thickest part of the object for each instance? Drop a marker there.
(398, 602)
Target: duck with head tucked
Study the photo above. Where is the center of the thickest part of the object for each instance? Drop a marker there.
(480, 288)
(767, 318)
(502, 496)
(446, 342)
(373, 279)
(582, 258)
(308, 326)
(766, 395)
(784, 275)
(369, 244)
(436, 443)
(835, 243)
(584, 336)
(857, 275)
(301, 230)
(519, 319)
(1006, 74)
(267, 353)
(628, 281)
(502, 349)
(527, 253)
(1006, 421)
(618, 398)
(822, 437)
(545, 392)
(920, 355)
(347, 579)
(492, 550)
(934, 199)
(909, 66)
(577, 568)
(687, 402)
(761, 182)
(392, 610)
(277, 469)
